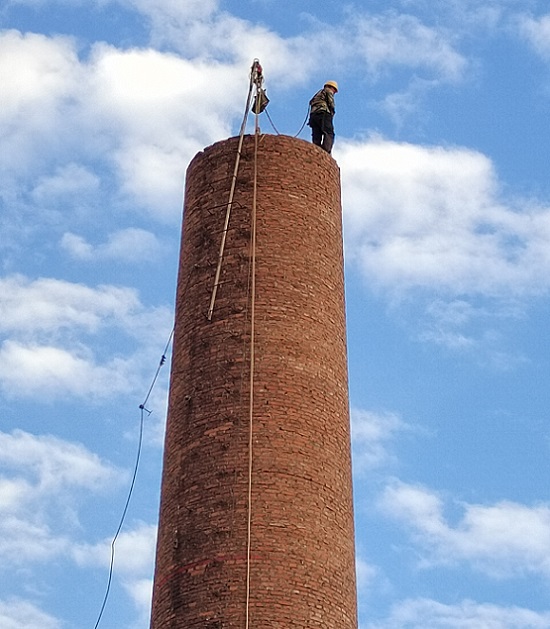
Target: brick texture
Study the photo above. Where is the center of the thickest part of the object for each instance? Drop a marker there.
(302, 566)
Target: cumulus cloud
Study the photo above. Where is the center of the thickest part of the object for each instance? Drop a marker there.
(48, 305)
(77, 246)
(132, 105)
(40, 79)
(145, 113)
(17, 613)
(141, 593)
(503, 540)
(475, 327)
(203, 31)
(371, 433)
(135, 551)
(536, 31)
(371, 45)
(433, 218)
(126, 245)
(366, 574)
(449, 319)
(421, 613)
(181, 13)
(134, 559)
(48, 372)
(43, 477)
(376, 47)
(26, 541)
(35, 70)
(160, 109)
(53, 462)
(44, 481)
(399, 106)
(431, 225)
(47, 354)
(397, 39)
(71, 181)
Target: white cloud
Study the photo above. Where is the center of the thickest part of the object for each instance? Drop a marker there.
(44, 477)
(48, 305)
(69, 181)
(34, 70)
(421, 613)
(504, 539)
(446, 321)
(144, 114)
(154, 175)
(77, 246)
(20, 614)
(54, 463)
(371, 433)
(131, 245)
(475, 327)
(399, 106)
(46, 371)
(202, 32)
(47, 479)
(134, 554)
(379, 42)
(537, 33)
(141, 593)
(432, 218)
(394, 39)
(157, 111)
(25, 540)
(40, 78)
(134, 562)
(165, 12)
(126, 245)
(366, 574)
(47, 355)
(152, 94)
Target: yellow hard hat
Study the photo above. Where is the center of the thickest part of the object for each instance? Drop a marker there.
(332, 84)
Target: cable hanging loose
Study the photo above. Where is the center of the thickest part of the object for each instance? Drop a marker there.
(143, 410)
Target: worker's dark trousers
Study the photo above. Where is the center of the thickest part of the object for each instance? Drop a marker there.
(322, 130)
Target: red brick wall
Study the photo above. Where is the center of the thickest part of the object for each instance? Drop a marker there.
(302, 570)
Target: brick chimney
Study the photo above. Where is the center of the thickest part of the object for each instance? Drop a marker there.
(256, 515)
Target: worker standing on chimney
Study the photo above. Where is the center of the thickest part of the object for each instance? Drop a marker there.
(322, 110)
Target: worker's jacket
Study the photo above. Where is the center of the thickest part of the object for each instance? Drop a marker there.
(323, 101)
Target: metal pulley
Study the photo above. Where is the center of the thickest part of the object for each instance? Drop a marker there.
(257, 78)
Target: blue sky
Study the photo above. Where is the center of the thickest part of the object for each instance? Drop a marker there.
(443, 143)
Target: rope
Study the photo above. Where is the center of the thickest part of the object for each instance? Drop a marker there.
(303, 123)
(277, 131)
(231, 194)
(271, 121)
(252, 360)
(133, 482)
